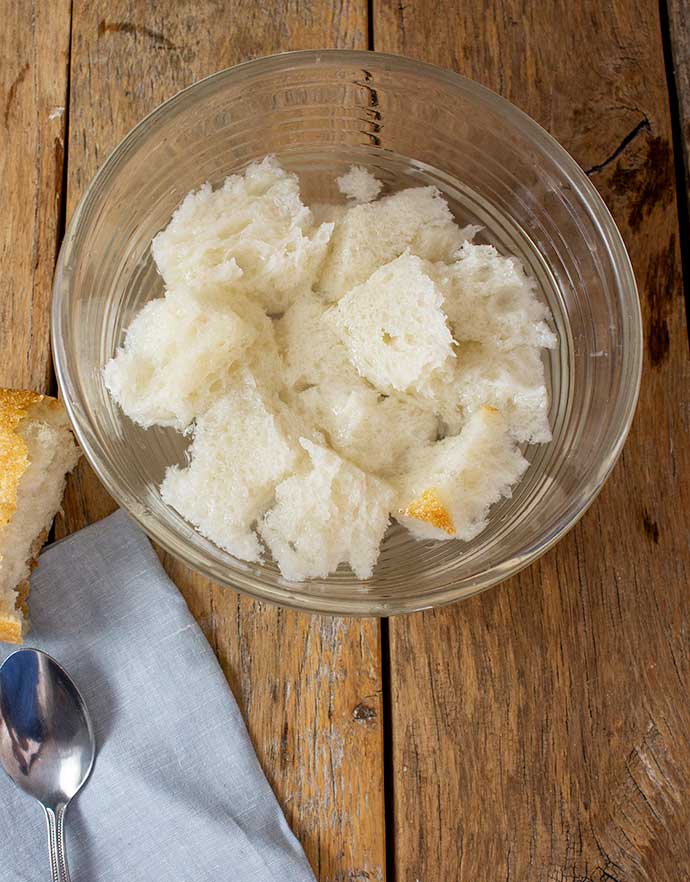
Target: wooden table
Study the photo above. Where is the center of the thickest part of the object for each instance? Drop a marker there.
(540, 732)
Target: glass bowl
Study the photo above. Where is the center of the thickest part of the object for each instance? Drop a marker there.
(411, 124)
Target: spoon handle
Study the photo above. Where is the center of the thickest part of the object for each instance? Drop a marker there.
(61, 853)
(56, 844)
(51, 821)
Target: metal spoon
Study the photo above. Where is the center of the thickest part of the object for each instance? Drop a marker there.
(47, 745)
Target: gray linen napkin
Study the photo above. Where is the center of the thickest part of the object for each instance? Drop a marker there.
(176, 794)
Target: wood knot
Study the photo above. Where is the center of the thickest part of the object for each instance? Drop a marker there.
(650, 526)
(364, 712)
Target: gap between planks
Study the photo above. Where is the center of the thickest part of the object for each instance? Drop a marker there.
(681, 143)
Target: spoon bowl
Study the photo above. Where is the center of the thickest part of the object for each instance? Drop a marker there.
(47, 745)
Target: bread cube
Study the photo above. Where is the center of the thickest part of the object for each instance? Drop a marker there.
(241, 448)
(251, 235)
(488, 298)
(453, 483)
(393, 326)
(371, 235)
(177, 358)
(329, 512)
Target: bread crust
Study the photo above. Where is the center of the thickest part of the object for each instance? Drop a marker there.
(11, 630)
(15, 406)
(431, 510)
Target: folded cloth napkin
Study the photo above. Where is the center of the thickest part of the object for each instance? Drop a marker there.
(176, 793)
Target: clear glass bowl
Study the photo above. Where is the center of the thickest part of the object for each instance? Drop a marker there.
(411, 124)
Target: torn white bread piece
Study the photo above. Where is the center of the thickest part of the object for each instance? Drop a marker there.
(453, 483)
(37, 451)
(311, 351)
(393, 326)
(512, 381)
(262, 355)
(380, 434)
(252, 235)
(369, 236)
(329, 512)
(488, 298)
(241, 448)
(177, 359)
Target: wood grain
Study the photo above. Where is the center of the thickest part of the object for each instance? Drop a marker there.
(33, 92)
(309, 687)
(679, 26)
(540, 730)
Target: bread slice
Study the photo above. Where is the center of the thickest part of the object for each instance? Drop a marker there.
(329, 512)
(454, 482)
(37, 450)
(393, 326)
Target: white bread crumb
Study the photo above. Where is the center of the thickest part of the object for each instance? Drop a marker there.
(329, 512)
(371, 235)
(393, 326)
(252, 235)
(177, 358)
(490, 299)
(241, 449)
(453, 483)
(359, 184)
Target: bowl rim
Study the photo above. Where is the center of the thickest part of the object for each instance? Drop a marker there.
(293, 597)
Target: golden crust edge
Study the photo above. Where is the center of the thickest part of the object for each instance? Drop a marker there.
(429, 508)
(15, 406)
(11, 630)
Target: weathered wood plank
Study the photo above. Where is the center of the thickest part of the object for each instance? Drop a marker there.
(679, 24)
(33, 91)
(302, 681)
(540, 730)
